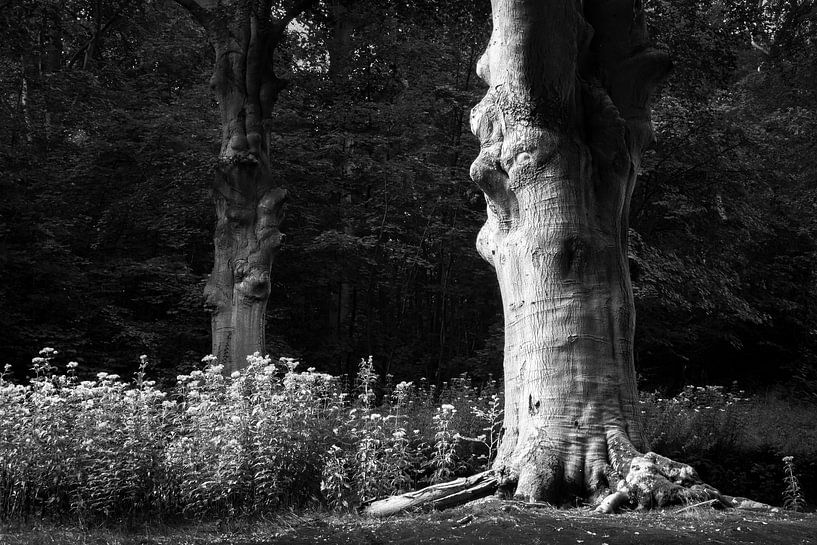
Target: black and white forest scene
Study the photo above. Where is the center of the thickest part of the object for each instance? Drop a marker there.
(408, 271)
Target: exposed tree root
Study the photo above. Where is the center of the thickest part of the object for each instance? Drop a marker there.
(650, 481)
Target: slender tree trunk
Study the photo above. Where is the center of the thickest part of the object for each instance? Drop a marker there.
(562, 128)
(348, 270)
(343, 22)
(248, 201)
(27, 127)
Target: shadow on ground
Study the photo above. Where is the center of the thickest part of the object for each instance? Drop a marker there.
(490, 522)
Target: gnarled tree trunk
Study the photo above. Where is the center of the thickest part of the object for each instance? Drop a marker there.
(248, 200)
(562, 127)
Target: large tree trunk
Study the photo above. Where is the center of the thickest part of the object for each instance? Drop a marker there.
(248, 201)
(562, 129)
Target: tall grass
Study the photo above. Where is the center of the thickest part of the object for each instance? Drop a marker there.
(273, 436)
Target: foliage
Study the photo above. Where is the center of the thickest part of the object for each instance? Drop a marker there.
(793, 499)
(106, 224)
(697, 419)
(723, 240)
(259, 440)
(379, 256)
(104, 221)
(735, 442)
(271, 437)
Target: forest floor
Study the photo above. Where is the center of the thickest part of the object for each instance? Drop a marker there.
(494, 523)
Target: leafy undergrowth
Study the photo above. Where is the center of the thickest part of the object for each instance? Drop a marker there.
(268, 438)
(489, 522)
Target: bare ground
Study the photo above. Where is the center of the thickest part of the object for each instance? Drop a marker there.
(491, 522)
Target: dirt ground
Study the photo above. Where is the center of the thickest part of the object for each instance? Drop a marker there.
(494, 523)
(507, 524)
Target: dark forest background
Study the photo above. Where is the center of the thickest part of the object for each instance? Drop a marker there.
(109, 133)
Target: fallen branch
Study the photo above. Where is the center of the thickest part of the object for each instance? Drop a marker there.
(439, 496)
(708, 503)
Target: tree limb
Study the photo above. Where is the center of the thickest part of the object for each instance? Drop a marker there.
(440, 496)
(99, 32)
(199, 13)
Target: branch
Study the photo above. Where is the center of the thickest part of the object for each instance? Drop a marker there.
(199, 13)
(440, 496)
(99, 32)
(629, 68)
(757, 45)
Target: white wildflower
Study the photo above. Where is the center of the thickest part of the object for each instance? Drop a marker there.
(215, 369)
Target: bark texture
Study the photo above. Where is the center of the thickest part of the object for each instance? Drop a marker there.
(562, 129)
(248, 200)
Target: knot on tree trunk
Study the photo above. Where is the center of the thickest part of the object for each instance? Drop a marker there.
(214, 298)
(270, 213)
(252, 280)
(487, 171)
(238, 155)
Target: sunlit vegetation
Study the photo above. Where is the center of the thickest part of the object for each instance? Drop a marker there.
(277, 436)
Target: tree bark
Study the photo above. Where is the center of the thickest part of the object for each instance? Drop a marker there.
(562, 129)
(248, 200)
